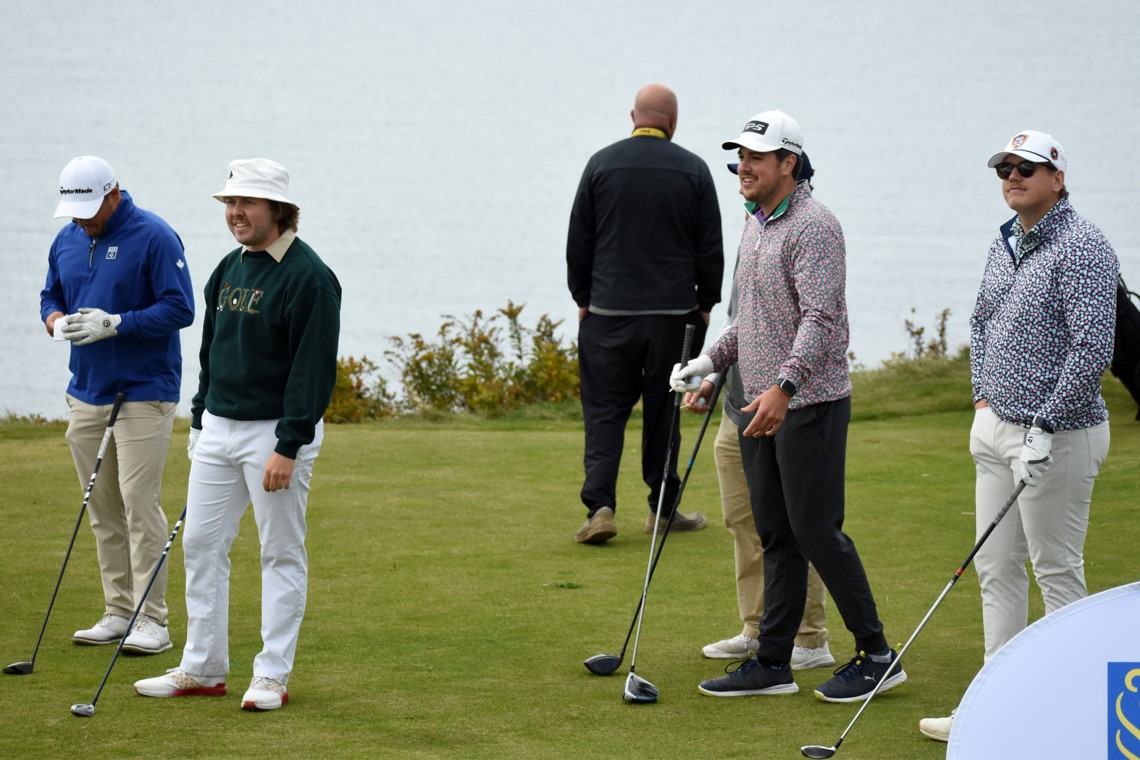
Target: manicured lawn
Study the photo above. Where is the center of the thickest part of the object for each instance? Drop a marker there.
(450, 609)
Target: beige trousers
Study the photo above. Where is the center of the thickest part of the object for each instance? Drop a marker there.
(737, 509)
(124, 511)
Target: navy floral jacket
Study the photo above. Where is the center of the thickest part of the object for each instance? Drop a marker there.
(1041, 333)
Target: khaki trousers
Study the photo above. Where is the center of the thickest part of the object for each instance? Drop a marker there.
(124, 511)
(738, 520)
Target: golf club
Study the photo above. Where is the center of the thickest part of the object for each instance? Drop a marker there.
(638, 690)
(24, 668)
(818, 751)
(607, 664)
(88, 710)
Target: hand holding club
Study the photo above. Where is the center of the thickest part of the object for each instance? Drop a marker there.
(687, 378)
(1035, 455)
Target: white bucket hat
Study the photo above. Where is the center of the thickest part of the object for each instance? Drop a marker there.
(1037, 147)
(769, 131)
(257, 178)
(83, 184)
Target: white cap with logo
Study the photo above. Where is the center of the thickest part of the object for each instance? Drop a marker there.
(257, 178)
(769, 131)
(1034, 146)
(83, 184)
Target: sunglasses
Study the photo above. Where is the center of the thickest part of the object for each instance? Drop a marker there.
(1026, 169)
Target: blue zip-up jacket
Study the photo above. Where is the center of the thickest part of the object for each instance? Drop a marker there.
(135, 269)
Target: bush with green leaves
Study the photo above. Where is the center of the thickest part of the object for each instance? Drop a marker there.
(478, 364)
(360, 393)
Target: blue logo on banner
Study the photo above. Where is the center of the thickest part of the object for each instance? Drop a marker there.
(1124, 710)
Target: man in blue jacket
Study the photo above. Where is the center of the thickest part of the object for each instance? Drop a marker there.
(119, 290)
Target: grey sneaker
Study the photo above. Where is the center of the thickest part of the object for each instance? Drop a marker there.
(108, 630)
(147, 637)
(599, 528)
(264, 694)
(806, 658)
(856, 680)
(681, 521)
(751, 678)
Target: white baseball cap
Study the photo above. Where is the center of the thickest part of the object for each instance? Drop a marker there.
(83, 184)
(768, 131)
(257, 178)
(1034, 146)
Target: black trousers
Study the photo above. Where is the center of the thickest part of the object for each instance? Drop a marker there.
(620, 360)
(796, 485)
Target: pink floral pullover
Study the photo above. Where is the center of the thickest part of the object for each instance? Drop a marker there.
(791, 322)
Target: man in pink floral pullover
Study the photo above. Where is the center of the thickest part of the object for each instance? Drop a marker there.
(789, 339)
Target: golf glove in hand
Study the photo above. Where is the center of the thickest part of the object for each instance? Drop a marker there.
(91, 325)
(191, 442)
(687, 379)
(1035, 455)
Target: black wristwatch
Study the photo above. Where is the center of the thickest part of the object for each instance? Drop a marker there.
(787, 386)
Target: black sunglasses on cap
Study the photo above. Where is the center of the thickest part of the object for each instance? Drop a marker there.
(1026, 169)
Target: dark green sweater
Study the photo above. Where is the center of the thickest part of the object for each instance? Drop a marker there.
(269, 342)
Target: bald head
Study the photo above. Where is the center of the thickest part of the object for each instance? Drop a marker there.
(655, 106)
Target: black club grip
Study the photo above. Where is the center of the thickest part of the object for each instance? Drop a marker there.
(686, 350)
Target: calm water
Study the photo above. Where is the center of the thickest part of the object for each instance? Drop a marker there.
(435, 148)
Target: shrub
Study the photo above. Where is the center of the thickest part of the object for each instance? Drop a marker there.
(469, 369)
(360, 392)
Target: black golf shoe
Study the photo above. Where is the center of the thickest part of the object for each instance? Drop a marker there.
(858, 678)
(752, 677)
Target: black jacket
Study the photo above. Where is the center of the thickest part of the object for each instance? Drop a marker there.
(645, 231)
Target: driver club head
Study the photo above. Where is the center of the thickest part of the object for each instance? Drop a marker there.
(83, 711)
(18, 669)
(603, 664)
(638, 690)
(818, 752)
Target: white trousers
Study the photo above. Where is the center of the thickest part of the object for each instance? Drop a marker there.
(226, 474)
(1046, 525)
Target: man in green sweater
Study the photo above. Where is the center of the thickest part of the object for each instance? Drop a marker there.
(268, 357)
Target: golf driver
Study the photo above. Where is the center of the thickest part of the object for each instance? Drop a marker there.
(638, 690)
(88, 710)
(24, 668)
(607, 664)
(818, 751)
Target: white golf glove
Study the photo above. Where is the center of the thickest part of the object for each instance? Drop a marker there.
(91, 325)
(191, 442)
(1035, 455)
(687, 379)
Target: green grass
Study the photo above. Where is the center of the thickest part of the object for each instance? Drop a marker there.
(450, 609)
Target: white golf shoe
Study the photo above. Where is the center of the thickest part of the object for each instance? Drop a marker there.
(264, 694)
(937, 729)
(806, 658)
(736, 648)
(147, 637)
(108, 630)
(178, 683)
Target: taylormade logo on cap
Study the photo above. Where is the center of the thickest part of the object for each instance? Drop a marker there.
(769, 131)
(83, 184)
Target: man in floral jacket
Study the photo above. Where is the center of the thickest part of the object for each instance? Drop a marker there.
(1041, 337)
